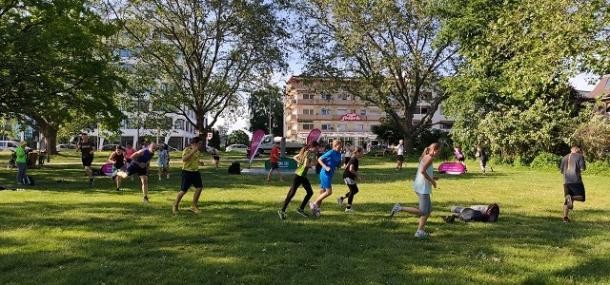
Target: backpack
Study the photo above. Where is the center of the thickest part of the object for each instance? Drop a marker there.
(234, 168)
(492, 213)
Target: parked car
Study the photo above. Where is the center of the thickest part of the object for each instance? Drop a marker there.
(237, 148)
(65, 146)
(8, 145)
(110, 146)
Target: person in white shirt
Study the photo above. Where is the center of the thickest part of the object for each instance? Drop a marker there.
(400, 155)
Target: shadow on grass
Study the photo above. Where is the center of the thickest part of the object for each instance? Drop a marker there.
(240, 242)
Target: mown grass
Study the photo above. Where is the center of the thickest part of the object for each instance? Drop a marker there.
(61, 232)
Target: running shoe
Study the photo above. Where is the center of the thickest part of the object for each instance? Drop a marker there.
(195, 209)
(395, 210)
(281, 214)
(349, 210)
(302, 213)
(566, 220)
(175, 209)
(145, 200)
(421, 234)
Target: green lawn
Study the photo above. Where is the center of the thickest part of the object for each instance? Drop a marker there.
(60, 232)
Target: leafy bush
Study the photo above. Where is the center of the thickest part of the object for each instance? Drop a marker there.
(599, 167)
(545, 160)
(593, 137)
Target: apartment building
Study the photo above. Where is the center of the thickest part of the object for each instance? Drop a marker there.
(338, 114)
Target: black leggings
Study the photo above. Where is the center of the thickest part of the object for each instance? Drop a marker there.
(296, 182)
(353, 190)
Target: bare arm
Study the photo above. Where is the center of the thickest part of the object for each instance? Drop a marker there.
(323, 164)
(189, 154)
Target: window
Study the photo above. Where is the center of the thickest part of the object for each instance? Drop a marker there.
(307, 111)
(446, 125)
(423, 110)
(326, 96)
(363, 112)
(341, 127)
(179, 124)
(360, 128)
(326, 127)
(325, 111)
(307, 126)
(341, 112)
(308, 96)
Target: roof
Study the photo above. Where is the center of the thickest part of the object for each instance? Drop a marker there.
(602, 89)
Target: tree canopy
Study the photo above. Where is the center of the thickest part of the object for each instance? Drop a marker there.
(267, 110)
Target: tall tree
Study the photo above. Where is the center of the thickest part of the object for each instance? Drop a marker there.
(207, 52)
(55, 65)
(392, 52)
(513, 92)
(267, 110)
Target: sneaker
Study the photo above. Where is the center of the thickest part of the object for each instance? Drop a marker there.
(569, 202)
(175, 209)
(145, 200)
(395, 210)
(90, 182)
(282, 214)
(566, 220)
(312, 206)
(421, 234)
(122, 174)
(340, 201)
(302, 213)
(349, 210)
(195, 209)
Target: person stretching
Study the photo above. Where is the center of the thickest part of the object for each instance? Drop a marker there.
(422, 185)
(329, 162)
(306, 159)
(350, 175)
(190, 175)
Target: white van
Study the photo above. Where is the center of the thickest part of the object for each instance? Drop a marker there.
(8, 145)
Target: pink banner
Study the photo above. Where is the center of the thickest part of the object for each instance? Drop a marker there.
(314, 135)
(257, 138)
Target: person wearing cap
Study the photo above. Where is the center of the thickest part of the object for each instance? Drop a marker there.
(21, 161)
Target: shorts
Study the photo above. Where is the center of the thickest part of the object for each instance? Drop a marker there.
(400, 158)
(574, 189)
(190, 178)
(87, 160)
(216, 157)
(425, 204)
(325, 181)
(135, 169)
(275, 165)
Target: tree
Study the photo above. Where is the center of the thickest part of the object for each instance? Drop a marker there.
(238, 137)
(513, 90)
(55, 66)
(389, 53)
(267, 110)
(206, 52)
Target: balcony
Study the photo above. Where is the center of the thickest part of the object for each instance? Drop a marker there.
(334, 102)
(337, 118)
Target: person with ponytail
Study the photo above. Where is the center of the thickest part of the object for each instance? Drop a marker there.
(306, 159)
(424, 181)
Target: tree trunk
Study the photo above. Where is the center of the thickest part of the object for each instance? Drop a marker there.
(50, 135)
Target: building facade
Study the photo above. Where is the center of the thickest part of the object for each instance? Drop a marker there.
(338, 114)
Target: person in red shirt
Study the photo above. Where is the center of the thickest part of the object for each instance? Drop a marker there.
(275, 162)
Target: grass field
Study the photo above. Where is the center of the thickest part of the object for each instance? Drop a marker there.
(61, 232)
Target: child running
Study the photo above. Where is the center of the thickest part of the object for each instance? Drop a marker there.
(163, 161)
(329, 162)
(350, 175)
(306, 159)
(424, 181)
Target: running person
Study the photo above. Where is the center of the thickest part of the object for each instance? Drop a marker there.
(274, 158)
(87, 148)
(305, 159)
(400, 154)
(190, 175)
(117, 158)
(573, 188)
(140, 163)
(350, 175)
(329, 162)
(424, 181)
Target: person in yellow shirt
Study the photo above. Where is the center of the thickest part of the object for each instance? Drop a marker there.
(190, 175)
